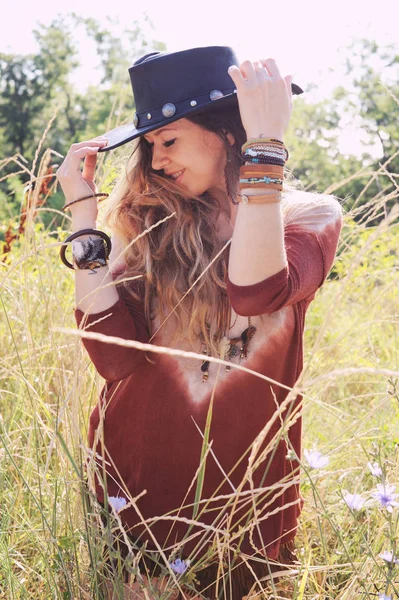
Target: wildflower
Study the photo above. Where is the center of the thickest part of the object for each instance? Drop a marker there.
(386, 496)
(389, 557)
(117, 503)
(354, 501)
(291, 455)
(179, 566)
(375, 469)
(315, 459)
(384, 597)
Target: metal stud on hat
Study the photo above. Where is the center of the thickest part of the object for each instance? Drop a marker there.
(215, 95)
(168, 110)
(136, 120)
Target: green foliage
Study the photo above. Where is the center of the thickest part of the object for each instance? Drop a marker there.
(51, 545)
(50, 542)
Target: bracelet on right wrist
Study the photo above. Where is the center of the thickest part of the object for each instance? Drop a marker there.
(89, 254)
(97, 195)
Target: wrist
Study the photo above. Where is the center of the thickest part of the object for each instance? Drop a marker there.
(276, 135)
(79, 224)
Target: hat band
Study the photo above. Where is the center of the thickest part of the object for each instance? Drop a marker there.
(169, 110)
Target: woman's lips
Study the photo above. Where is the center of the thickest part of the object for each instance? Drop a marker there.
(178, 179)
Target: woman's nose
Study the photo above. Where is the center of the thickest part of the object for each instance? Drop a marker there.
(159, 158)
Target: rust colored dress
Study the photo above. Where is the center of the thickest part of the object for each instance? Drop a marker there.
(154, 409)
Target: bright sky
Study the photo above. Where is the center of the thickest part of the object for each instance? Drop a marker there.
(307, 37)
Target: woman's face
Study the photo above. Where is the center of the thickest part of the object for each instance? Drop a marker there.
(190, 155)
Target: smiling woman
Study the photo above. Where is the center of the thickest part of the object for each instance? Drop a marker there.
(212, 254)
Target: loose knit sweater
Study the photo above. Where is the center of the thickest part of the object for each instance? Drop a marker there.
(151, 416)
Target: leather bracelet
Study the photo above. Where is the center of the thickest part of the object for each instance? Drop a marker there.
(77, 234)
(104, 195)
(253, 170)
(259, 199)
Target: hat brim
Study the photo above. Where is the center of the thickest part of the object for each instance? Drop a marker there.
(127, 133)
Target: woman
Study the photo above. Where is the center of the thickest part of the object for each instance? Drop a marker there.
(209, 257)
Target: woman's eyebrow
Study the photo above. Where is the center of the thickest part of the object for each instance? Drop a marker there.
(159, 131)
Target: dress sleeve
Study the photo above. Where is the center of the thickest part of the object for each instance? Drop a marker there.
(312, 227)
(125, 319)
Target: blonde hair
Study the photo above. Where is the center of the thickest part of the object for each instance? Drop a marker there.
(182, 249)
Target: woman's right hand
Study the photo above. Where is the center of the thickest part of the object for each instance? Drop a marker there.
(76, 184)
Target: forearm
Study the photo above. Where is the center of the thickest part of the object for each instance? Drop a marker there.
(94, 290)
(257, 246)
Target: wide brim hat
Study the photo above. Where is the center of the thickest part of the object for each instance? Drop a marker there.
(168, 86)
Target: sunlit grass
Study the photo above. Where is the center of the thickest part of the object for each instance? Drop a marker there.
(51, 541)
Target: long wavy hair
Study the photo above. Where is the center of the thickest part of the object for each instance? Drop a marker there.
(180, 251)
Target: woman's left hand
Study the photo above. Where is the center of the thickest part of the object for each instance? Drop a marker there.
(264, 98)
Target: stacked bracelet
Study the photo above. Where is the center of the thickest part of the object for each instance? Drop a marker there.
(265, 151)
(99, 195)
(266, 177)
(261, 140)
(88, 254)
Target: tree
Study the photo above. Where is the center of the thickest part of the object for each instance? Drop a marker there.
(29, 83)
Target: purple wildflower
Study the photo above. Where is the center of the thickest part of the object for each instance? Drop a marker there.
(315, 459)
(384, 597)
(375, 469)
(117, 503)
(179, 566)
(354, 501)
(389, 557)
(386, 496)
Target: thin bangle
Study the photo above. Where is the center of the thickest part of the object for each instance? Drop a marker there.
(259, 199)
(85, 198)
(77, 234)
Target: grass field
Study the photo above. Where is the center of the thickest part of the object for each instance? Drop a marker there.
(50, 544)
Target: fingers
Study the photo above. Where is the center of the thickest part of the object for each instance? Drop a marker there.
(261, 72)
(70, 169)
(89, 167)
(288, 81)
(272, 68)
(264, 69)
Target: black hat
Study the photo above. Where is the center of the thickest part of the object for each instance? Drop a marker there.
(168, 86)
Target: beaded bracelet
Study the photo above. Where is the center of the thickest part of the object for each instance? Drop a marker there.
(85, 198)
(77, 234)
(270, 173)
(265, 160)
(255, 180)
(251, 152)
(260, 140)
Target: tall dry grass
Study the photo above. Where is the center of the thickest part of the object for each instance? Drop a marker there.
(51, 540)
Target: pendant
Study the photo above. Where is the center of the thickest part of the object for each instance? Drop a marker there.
(246, 337)
(230, 350)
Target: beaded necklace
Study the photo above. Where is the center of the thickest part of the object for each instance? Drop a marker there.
(231, 349)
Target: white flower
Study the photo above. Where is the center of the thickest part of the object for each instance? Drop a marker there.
(354, 501)
(375, 469)
(389, 557)
(384, 597)
(315, 459)
(117, 503)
